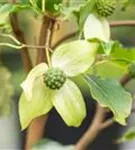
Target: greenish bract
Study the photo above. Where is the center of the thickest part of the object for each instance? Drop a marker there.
(105, 8)
(54, 78)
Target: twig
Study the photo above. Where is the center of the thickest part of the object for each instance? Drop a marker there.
(112, 24)
(20, 36)
(93, 130)
(125, 79)
(106, 124)
(122, 23)
(22, 46)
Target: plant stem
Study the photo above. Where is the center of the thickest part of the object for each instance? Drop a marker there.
(93, 130)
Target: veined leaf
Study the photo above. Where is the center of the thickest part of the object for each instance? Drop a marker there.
(109, 93)
(47, 144)
(108, 69)
(123, 55)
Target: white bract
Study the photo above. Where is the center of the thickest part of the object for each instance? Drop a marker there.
(37, 99)
(96, 28)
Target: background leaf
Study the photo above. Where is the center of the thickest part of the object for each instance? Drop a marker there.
(129, 135)
(6, 91)
(4, 13)
(109, 93)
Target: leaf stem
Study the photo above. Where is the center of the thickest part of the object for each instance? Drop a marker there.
(12, 38)
(21, 46)
(43, 6)
(11, 45)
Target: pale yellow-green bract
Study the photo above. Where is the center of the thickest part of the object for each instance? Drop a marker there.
(73, 58)
(96, 28)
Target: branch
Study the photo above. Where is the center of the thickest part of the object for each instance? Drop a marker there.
(93, 130)
(107, 123)
(36, 129)
(122, 23)
(112, 24)
(20, 37)
(125, 79)
(41, 56)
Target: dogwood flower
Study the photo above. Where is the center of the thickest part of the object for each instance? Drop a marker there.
(96, 27)
(46, 87)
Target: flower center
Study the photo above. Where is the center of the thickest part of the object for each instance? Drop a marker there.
(54, 78)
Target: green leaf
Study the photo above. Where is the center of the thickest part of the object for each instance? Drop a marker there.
(40, 103)
(4, 13)
(6, 91)
(84, 11)
(47, 144)
(123, 56)
(96, 27)
(35, 73)
(50, 5)
(74, 57)
(20, 7)
(108, 69)
(109, 93)
(129, 135)
(107, 47)
(73, 6)
(69, 103)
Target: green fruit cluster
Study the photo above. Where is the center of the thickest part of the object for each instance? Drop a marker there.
(105, 8)
(131, 69)
(54, 78)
